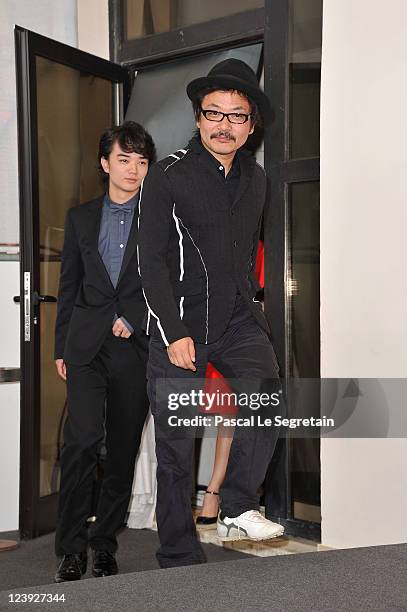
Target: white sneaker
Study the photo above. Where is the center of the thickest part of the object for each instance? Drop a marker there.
(250, 525)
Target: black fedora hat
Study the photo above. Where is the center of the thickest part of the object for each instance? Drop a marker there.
(233, 74)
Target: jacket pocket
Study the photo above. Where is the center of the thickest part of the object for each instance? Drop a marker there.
(188, 286)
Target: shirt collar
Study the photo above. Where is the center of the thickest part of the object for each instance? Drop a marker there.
(128, 206)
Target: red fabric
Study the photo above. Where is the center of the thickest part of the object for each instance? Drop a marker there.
(260, 263)
(214, 379)
(215, 383)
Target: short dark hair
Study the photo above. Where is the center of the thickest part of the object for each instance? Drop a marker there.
(131, 138)
(197, 103)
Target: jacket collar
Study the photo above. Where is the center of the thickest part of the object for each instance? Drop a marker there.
(246, 159)
(95, 217)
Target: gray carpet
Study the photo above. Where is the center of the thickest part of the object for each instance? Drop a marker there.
(34, 562)
(363, 580)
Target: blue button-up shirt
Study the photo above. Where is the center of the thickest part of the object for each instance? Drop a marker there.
(113, 236)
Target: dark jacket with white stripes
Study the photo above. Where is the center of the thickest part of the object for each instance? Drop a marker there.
(196, 250)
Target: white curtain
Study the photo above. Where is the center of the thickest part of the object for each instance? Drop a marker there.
(144, 494)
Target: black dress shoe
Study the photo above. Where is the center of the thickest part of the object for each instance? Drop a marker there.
(72, 567)
(207, 520)
(104, 564)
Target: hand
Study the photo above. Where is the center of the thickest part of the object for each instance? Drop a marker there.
(61, 368)
(119, 329)
(182, 353)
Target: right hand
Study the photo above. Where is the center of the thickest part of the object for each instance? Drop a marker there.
(181, 353)
(61, 368)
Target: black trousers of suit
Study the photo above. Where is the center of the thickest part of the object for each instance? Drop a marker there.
(244, 351)
(107, 399)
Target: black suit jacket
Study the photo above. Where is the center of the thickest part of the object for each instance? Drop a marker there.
(87, 300)
(195, 249)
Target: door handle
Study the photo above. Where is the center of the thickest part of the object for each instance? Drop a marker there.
(37, 298)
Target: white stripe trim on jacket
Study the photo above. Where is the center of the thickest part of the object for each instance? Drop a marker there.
(181, 259)
(207, 279)
(150, 310)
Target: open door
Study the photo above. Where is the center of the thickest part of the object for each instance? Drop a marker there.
(66, 98)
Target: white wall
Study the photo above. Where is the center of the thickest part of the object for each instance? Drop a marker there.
(363, 257)
(93, 27)
(9, 397)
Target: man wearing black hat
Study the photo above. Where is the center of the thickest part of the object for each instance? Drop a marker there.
(200, 216)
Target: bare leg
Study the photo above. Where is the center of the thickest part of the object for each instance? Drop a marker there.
(223, 442)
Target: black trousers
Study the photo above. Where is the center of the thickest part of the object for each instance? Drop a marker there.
(107, 399)
(244, 351)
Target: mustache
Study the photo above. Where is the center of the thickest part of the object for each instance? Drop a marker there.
(223, 134)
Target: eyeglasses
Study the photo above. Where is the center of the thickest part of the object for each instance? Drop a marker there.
(212, 115)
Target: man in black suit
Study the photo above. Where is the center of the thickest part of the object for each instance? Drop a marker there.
(101, 352)
(200, 218)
